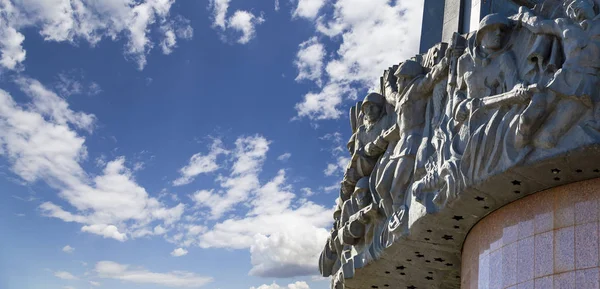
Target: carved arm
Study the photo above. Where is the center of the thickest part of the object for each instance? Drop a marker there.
(426, 84)
(536, 24)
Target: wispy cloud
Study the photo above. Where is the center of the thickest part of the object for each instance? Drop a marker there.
(113, 270)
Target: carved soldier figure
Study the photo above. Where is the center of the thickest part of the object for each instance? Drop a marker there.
(362, 164)
(575, 85)
(415, 88)
(488, 68)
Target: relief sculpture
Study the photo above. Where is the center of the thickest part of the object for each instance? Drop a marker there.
(521, 89)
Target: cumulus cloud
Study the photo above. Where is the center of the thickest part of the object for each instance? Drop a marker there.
(107, 231)
(68, 249)
(82, 21)
(325, 103)
(219, 12)
(41, 141)
(201, 164)
(297, 285)
(284, 233)
(337, 167)
(308, 8)
(113, 270)
(309, 60)
(372, 35)
(179, 252)
(94, 283)
(244, 22)
(248, 157)
(64, 275)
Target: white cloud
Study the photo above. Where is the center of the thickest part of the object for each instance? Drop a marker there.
(284, 233)
(113, 270)
(373, 35)
(219, 9)
(11, 47)
(107, 231)
(41, 142)
(276, 5)
(179, 252)
(308, 8)
(284, 157)
(308, 192)
(69, 287)
(323, 104)
(242, 21)
(248, 157)
(245, 22)
(309, 60)
(297, 285)
(81, 20)
(94, 283)
(338, 167)
(65, 275)
(73, 83)
(180, 28)
(68, 249)
(201, 164)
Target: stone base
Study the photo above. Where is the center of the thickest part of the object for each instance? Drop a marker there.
(546, 240)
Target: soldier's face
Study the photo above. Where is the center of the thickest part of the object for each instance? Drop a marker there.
(400, 82)
(371, 111)
(492, 38)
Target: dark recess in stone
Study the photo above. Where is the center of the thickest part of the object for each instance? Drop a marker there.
(448, 237)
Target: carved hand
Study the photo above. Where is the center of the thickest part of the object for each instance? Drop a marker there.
(462, 112)
(373, 150)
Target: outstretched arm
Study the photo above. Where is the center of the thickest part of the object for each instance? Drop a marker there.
(426, 84)
(537, 24)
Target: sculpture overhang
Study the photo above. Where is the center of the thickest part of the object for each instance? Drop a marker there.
(453, 134)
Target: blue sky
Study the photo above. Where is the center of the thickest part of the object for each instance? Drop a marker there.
(181, 144)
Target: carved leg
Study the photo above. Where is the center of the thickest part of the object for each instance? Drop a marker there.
(567, 112)
(402, 177)
(531, 118)
(384, 184)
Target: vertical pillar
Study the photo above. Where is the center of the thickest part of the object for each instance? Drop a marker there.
(432, 25)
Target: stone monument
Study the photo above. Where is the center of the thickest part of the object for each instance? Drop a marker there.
(472, 165)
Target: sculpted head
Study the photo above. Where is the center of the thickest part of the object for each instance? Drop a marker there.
(491, 32)
(372, 108)
(580, 10)
(406, 72)
(362, 193)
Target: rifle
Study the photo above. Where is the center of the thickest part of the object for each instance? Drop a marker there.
(457, 44)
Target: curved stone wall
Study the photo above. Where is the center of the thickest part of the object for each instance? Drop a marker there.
(546, 240)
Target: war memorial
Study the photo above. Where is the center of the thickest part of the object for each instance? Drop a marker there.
(476, 164)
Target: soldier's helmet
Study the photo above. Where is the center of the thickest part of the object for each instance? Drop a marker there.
(491, 21)
(374, 98)
(409, 68)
